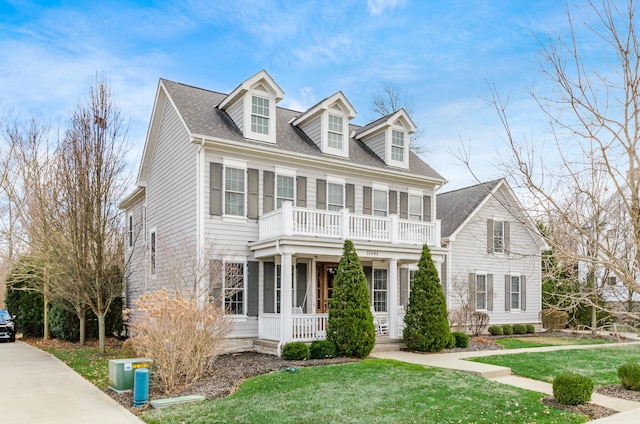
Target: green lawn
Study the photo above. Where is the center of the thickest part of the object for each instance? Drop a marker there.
(371, 391)
(601, 364)
(516, 343)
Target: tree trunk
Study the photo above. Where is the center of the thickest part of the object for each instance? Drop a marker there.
(47, 334)
(101, 332)
(82, 317)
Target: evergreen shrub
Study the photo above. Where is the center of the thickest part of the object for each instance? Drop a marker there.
(321, 349)
(295, 351)
(519, 329)
(572, 389)
(496, 330)
(507, 329)
(629, 375)
(462, 340)
(451, 342)
(531, 329)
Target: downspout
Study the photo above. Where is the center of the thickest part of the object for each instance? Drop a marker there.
(280, 343)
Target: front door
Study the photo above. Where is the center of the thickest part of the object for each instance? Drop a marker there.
(326, 274)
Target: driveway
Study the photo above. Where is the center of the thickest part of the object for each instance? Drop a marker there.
(39, 388)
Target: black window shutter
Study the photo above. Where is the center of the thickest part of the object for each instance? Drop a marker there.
(523, 293)
(489, 235)
(507, 237)
(404, 205)
(301, 191)
(215, 188)
(321, 194)
(507, 293)
(269, 272)
(368, 273)
(426, 208)
(252, 288)
(252, 209)
(268, 187)
(351, 197)
(473, 289)
(393, 202)
(490, 292)
(366, 200)
(301, 285)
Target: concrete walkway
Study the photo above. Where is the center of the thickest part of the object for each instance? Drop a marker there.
(39, 388)
(629, 411)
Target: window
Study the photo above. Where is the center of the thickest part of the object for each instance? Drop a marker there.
(234, 189)
(284, 190)
(152, 252)
(481, 292)
(278, 286)
(335, 196)
(380, 290)
(397, 146)
(415, 208)
(259, 115)
(130, 231)
(380, 203)
(335, 132)
(498, 237)
(515, 292)
(234, 288)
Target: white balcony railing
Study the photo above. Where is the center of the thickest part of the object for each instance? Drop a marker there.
(295, 221)
(306, 327)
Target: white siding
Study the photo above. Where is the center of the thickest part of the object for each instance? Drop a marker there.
(135, 257)
(236, 113)
(377, 144)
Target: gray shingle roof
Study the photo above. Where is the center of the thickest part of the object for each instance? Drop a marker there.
(454, 207)
(198, 108)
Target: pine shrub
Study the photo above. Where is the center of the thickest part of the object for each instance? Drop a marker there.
(350, 323)
(451, 342)
(629, 375)
(507, 329)
(496, 330)
(295, 351)
(427, 324)
(519, 329)
(531, 329)
(321, 349)
(462, 340)
(572, 389)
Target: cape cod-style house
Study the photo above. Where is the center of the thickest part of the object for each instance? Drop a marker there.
(493, 253)
(267, 196)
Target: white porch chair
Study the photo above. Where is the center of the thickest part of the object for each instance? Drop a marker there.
(401, 324)
(380, 323)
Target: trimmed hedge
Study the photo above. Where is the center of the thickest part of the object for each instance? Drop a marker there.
(531, 329)
(507, 329)
(496, 330)
(519, 329)
(451, 342)
(295, 351)
(321, 349)
(462, 340)
(572, 389)
(629, 375)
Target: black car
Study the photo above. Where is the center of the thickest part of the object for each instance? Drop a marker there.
(7, 326)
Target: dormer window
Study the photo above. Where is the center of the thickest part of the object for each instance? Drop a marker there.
(388, 137)
(336, 132)
(397, 145)
(259, 115)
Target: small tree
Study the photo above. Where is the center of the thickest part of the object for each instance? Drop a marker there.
(350, 322)
(427, 325)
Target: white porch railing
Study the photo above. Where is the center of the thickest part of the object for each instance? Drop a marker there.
(306, 327)
(295, 221)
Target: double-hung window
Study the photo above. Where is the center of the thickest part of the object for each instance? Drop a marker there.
(380, 203)
(380, 290)
(498, 236)
(285, 191)
(481, 292)
(415, 208)
(234, 191)
(398, 146)
(259, 115)
(335, 138)
(335, 196)
(234, 288)
(515, 292)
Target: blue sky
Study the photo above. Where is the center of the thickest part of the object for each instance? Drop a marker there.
(442, 54)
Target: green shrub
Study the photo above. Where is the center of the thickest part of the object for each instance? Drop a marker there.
(321, 349)
(519, 329)
(572, 389)
(64, 324)
(427, 323)
(507, 329)
(462, 340)
(496, 330)
(451, 342)
(629, 375)
(531, 329)
(295, 351)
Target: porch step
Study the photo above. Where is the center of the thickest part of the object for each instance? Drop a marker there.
(270, 347)
(387, 344)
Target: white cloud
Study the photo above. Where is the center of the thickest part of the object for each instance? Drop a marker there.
(376, 7)
(304, 102)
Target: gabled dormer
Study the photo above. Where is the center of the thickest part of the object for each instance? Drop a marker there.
(388, 137)
(327, 124)
(252, 106)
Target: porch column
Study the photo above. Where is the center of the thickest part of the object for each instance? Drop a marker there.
(392, 289)
(286, 288)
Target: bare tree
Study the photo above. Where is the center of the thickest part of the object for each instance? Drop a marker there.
(585, 184)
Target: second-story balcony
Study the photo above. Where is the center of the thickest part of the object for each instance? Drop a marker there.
(295, 221)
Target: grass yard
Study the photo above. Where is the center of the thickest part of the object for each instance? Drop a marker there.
(516, 343)
(601, 364)
(371, 391)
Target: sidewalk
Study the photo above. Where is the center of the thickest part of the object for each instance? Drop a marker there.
(38, 388)
(629, 411)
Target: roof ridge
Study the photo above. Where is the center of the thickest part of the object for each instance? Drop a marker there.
(485, 183)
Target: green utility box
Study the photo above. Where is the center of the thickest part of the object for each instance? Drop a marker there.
(121, 372)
